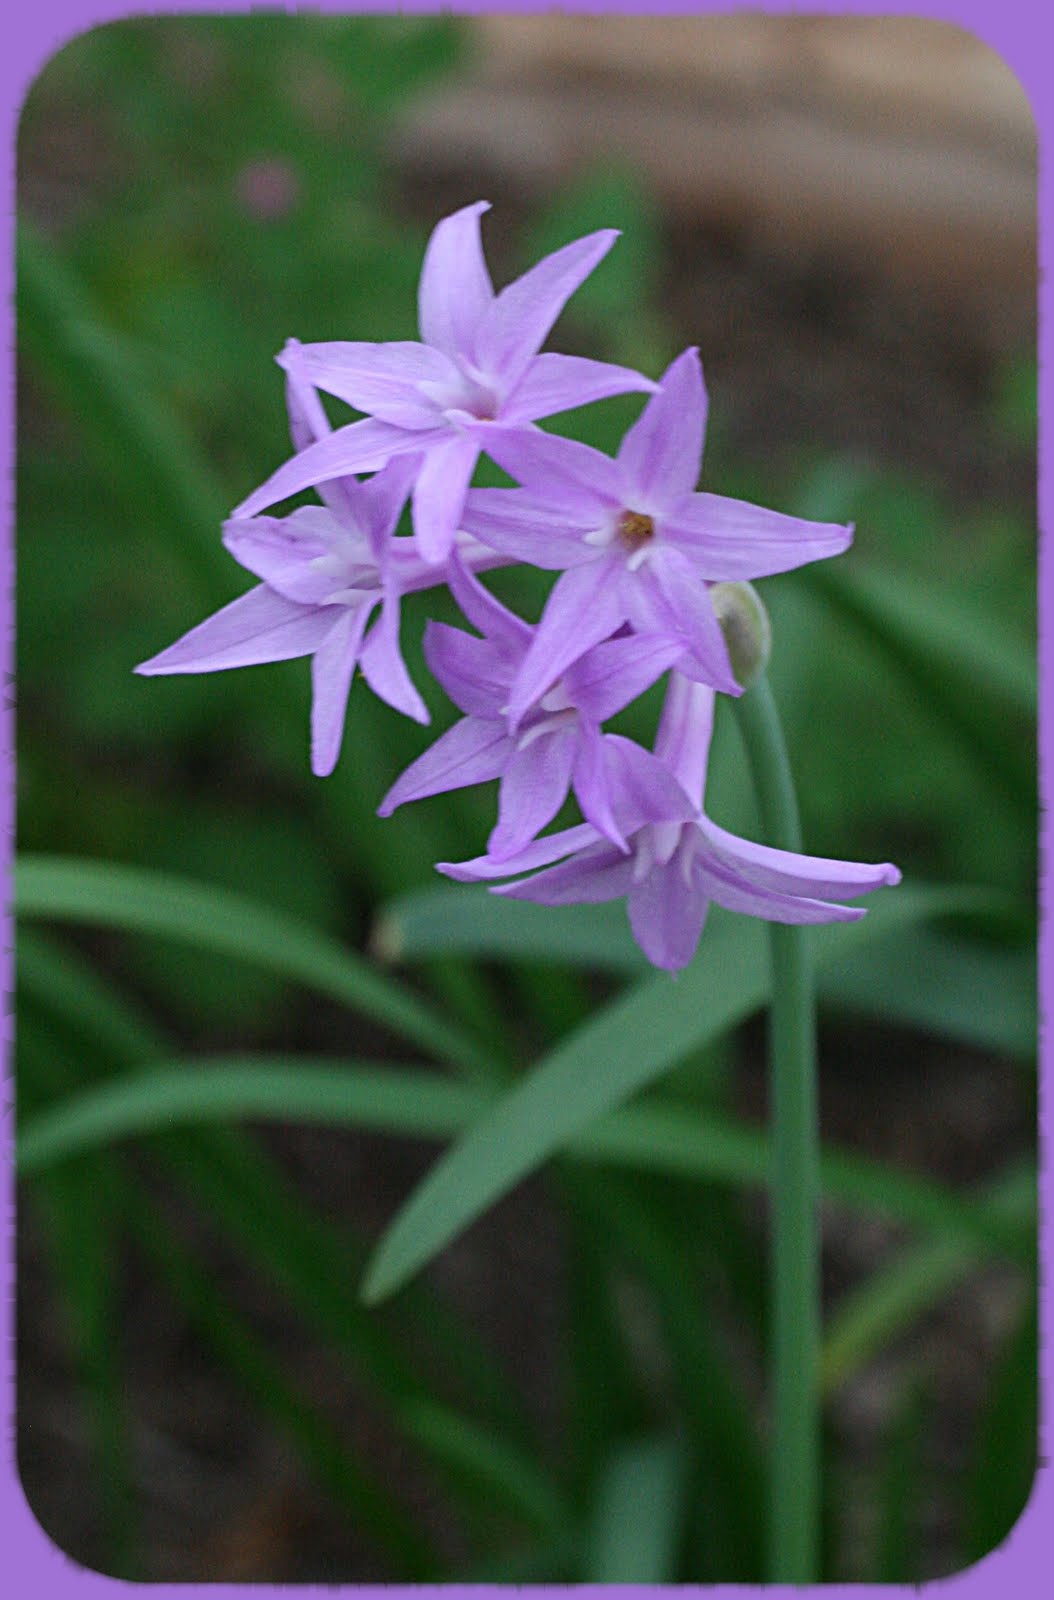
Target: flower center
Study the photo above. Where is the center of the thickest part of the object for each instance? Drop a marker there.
(635, 530)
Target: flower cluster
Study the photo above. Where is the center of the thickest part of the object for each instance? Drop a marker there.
(639, 552)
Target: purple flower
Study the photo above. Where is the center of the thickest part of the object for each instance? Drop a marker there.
(478, 358)
(325, 570)
(679, 864)
(639, 545)
(558, 744)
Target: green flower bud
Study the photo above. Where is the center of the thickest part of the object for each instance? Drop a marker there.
(745, 624)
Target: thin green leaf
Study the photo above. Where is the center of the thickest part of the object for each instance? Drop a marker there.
(624, 1048)
(142, 445)
(246, 1193)
(1006, 1442)
(900, 1490)
(256, 1370)
(726, 1465)
(637, 1514)
(979, 682)
(660, 1138)
(80, 1224)
(167, 1096)
(498, 1472)
(984, 995)
(139, 900)
(866, 1320)
(980, 993)
(471, 921)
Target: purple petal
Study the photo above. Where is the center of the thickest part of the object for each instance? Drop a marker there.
(259, 626)
(616, 672)
(666, 913)
(584, 607)
(732, 891)
(439, 495)
(517, 324)
(501, 626)
(382, 500)
(582, 485)
(662, 452)
(307, 417)
(554, 383)
(784, 872)
(527, 527)
(474, 750)
(533, 789)
(731, 539)
(591, 877)
(671, 598)
(685, 728)
(331, 671)
(293, 555)
(472, 671)
(455, 291)
(538, 854)
(590, 779)
(307, 423)
(641, 788)
(384, 668)
(360, 447)
(380, 379)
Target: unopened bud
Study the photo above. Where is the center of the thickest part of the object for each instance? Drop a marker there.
(745, 624)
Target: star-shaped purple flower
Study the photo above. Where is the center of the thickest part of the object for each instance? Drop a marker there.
(325, 570)
(478, 358)
(639, 545)
(678, 864)
(558, 745)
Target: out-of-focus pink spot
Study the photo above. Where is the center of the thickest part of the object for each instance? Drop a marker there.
(268, 189)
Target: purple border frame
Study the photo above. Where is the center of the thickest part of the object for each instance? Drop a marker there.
(1016, 30)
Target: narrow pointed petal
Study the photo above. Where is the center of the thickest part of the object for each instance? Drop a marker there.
(662, 452)
(518, 322)
(381, 379)
(308, 422)
(508, 632)
(616, 672)
(784, 872)
(581, 484)
(539, 854)
(590, 877)
(731, 890)
(384, 668)
(584, 607)
(590, 778)
(382, 499)
(554, 383)
(526, 527)
(472, 671)
(666, 913)
(307, 417)
(439, 495)
(294, 555)
(474, 750)
(455, 292)
(332, 667)
(728, 539)
(258, 626)
(360, 447)
(676, 601)
(533, 789)
(685, 729)
(642, 790)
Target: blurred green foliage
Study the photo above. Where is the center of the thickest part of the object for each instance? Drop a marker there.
(194, 191)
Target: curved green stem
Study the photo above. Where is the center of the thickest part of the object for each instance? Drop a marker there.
(795, 1183)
